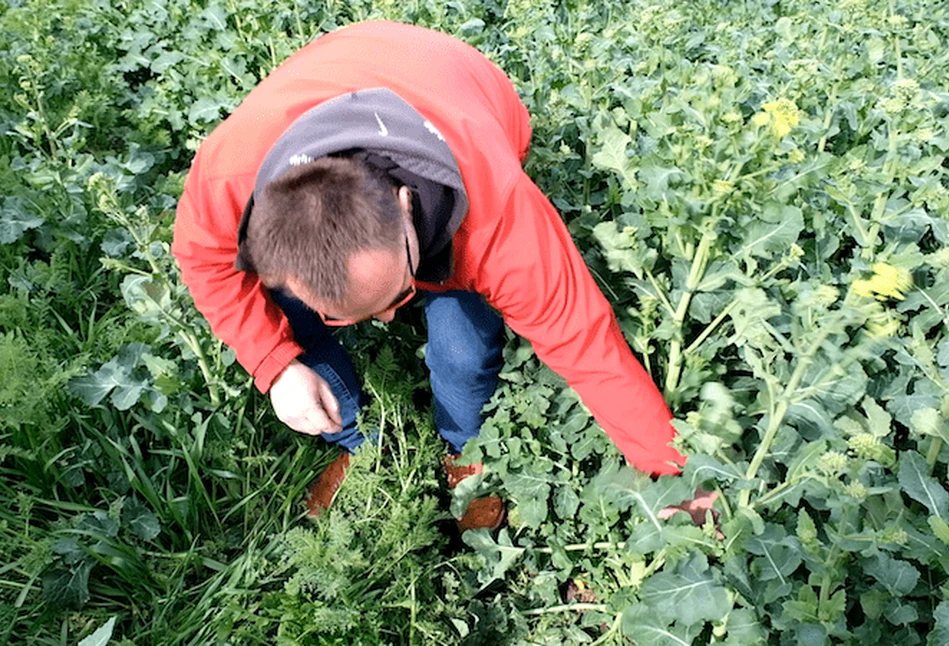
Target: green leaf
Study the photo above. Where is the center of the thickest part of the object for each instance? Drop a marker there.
(566, 502)
(810, 634)
(531, 490)
(779, 554)
(940, 528)
(205, 110)
(939, 636)
(744, 629)
(876, 49)
(898, 577)
(140, 519)
(928, 421)
(101, 636)
(466, 491)
(775, 232)
(641, 623)
(498, 556)
(15, 220)
(612, 154)
(920, 486)
(68, 588)
(627, 489)
(688, 595)
(900, 614)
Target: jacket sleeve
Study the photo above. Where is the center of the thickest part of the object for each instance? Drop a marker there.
(235, 303)
(539, 282)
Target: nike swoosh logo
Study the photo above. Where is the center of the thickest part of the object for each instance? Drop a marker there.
(383, 131)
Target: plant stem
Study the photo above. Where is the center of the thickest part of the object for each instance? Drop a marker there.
(580, 547)
(933, 454)
(192, 341)
(711, 327)
(699, 263)
(567, 607)
(782, 408)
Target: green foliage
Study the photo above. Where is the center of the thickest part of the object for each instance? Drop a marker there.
(760, 190)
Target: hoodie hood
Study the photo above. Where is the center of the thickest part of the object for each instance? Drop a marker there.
(381, 123)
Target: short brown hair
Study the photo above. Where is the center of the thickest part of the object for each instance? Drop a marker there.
(308, 222)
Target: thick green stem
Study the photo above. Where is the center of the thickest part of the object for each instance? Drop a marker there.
(780, 411)
(567, 607)
(711, 327)
(192, 341)
(699, 263)
(933, 454)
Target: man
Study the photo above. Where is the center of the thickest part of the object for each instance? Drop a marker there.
(381, 160)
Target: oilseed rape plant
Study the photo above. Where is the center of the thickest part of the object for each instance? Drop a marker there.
(761, 191)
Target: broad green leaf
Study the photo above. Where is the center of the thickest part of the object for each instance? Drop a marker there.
(942, 350)
(688, 595)
(117, 243)
(67, 588)
(778, 554)
(939, 636)
(743, 628)
(898, 577)
(566, 502)
(94, 387)
(472, 27)
(810, 634)
(140, 519)
(703, 468)
(101, 636)
(15, 220)
(628, 489)
(928, 421)
(205, 110)
(99, 523)
(925, 394)
(879, 421)
(127, 394)
(215, 16)
(612, 154)
(753, 309)
(899, 613)
(466, 491)
(531, 490)
(498, 556)
(940, 528)
(641, 623)
(148, 297)
(774, 233)
(876, 49)
(916, 482)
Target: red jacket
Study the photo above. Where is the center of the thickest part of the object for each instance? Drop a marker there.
(512, 247)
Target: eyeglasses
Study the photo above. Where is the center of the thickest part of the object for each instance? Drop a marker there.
(401, 299)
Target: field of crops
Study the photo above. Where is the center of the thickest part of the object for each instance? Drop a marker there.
(761, 189)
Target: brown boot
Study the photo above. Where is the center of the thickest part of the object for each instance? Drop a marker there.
(484, 512)
(324, 488)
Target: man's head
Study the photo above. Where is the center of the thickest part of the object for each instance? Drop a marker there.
(334, 232)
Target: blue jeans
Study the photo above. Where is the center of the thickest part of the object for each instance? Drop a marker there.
(465, 338)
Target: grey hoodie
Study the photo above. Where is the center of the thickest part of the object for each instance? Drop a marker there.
(387, 132)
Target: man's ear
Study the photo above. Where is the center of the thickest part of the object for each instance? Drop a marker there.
(405, 201)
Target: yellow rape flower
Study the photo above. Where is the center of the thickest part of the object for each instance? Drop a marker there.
(722, 187)
(887, 281)
(781, 115)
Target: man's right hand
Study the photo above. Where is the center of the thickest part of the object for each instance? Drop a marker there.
(304, 401)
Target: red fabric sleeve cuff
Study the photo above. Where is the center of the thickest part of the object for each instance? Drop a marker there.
(664, 461)
(274, 363)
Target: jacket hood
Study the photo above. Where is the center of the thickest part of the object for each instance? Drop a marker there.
(381, 123)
